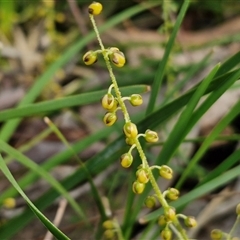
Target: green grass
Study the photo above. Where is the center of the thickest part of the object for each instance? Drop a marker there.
(187, 108)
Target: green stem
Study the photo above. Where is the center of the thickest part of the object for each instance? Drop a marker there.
(112, 76)
(233, 228)
(156, 189)
(175, 230)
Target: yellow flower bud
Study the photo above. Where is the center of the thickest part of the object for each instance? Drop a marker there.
(136, 99)
(151, 136)
(95, 8)
(118, 59)
(150, 202)
(216, 234)
(9, 203)
(166, 234)
(142, 176)
(109, 234)
(126, 160)
(90, 57)
(138, 187)
(162, 220)
(166, 172)
(108, 101)
(110, 118)
(130, 130)
(172, 194)
(108, 224)
(170, 214)
(190, 222)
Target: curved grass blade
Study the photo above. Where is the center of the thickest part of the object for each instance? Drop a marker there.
(215, 132)
(95, 192)
(57, 159)
(161, 69)
(166, 111)
(191, 72)
(94, 165)
(178, 132)
(40, 171)
(54, 230)
(229, 64)
(77, 100)
(223, 167)
(31, 143)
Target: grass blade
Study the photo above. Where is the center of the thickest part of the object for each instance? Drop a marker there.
(34, 167)
(77, 100)
(54, 230)
(178, 133)
(161, 69)
(57, 159)
(223, 167)
(215, 132)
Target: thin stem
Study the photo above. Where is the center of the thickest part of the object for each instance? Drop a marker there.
(175, 230)
(110, 88)
(156, 189)
(233, 227)
(112, 76)
(180, 229)
(97, 32)
(132, 147)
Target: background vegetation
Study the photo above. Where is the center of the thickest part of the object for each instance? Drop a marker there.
(69, 160)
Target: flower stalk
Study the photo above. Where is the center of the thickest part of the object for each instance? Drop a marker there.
(144, 173)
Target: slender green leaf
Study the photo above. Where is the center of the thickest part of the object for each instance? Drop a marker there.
(77, 100)
(161, 69)
(178, 132)
(95, 165)
(215, 132)
(223, 167)
(57, 159)
(54, 230)
(94, 190)
(166, 111)
(40, 171)
(228, 65)
(190, 73)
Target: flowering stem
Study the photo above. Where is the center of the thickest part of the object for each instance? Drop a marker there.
(142, 155)
(112, 76)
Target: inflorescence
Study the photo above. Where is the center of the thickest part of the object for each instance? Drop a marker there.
(112, 102)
